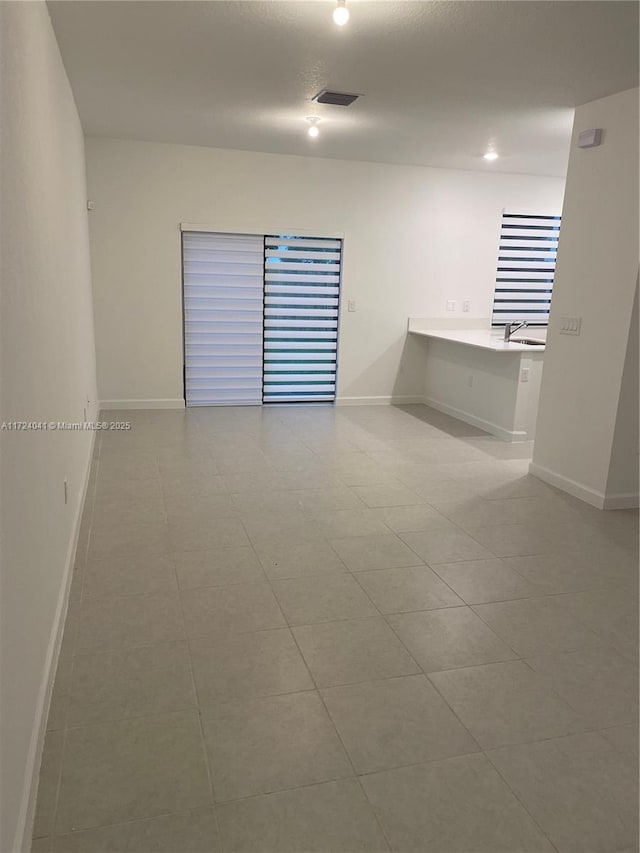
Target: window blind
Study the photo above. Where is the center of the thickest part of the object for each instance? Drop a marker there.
(301, 302)
(223, 303)
(526, 268)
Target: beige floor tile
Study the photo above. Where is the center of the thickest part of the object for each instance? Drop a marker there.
(612, 613)
(217, 567)
(598, 683)
(295, 821)
(405, 519)
(188, 832)
(404, 590)
(577, 790)
(567, 572)
(124, 466)
(445, 546)
(281, 500)
(131, 682)
(385, 495)
(200, 532)
(129, 575)
(506, 703)
(624, 739)
(480, 512)
(481, 581)
(51, 765)
(249, 481)
(274, 527)
(297, 559)
(352, 651)
(445, 639)
(179, 466)
(326, 598)
(110, 622)
(58, 706)
(237, 608)
(215, 505)
(513, 540)
(537, 626)
(360, 553)
(128, 541)
(443, 491)
(336, 523)
(120, 771)
(315, 500)
(290, 483)
(188, 492)
(113, 510)
(457, 804)
(263, 663)
(265, 745)
(396, 721)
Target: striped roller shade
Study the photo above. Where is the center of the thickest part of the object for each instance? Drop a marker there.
(301, 299)
(526, 266)
(222, 275)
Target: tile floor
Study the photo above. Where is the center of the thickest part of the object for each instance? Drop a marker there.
(340, 629)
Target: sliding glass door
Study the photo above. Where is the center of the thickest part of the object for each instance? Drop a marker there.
(301, 302)
(260, 318)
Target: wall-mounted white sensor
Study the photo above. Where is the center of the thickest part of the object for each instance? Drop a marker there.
(590, 138)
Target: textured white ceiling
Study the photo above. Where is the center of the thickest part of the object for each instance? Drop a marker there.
(441, 80)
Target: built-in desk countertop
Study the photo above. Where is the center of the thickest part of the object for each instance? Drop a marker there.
(472, 373)
(486, 338)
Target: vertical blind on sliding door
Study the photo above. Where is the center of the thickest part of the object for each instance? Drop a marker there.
(223, 315)
(301, 302)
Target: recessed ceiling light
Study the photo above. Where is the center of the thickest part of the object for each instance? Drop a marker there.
(313, 130)
(341, 13)
(491, 155)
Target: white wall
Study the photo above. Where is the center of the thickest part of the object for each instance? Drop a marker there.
(47, 372)
(623, 466)
(596, 277)
(414, 237)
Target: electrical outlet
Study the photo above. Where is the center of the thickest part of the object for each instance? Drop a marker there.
(570, 325)
(524, 374)
(466, 305)
(451, 305)
(470, 380)
(351, 305)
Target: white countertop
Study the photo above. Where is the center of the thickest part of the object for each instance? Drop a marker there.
(486, 338)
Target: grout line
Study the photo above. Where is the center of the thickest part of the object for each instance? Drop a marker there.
(203, 742)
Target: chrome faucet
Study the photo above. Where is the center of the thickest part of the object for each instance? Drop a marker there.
(512, 328)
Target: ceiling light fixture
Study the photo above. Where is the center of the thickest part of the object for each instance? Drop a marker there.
(341, 13)
(313, 130)
(491, 155)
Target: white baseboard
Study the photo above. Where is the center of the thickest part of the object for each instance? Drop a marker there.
(627, 500)
(24, 828)
(378, 401)
(582, 492)
(468, 418)
(168, 403)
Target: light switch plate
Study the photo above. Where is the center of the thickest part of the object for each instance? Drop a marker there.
(570, 325)
(351, 305)
(451, 305)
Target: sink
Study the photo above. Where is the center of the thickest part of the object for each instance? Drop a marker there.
(527, 342)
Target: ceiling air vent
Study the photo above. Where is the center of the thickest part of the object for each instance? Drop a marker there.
(338, 99)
